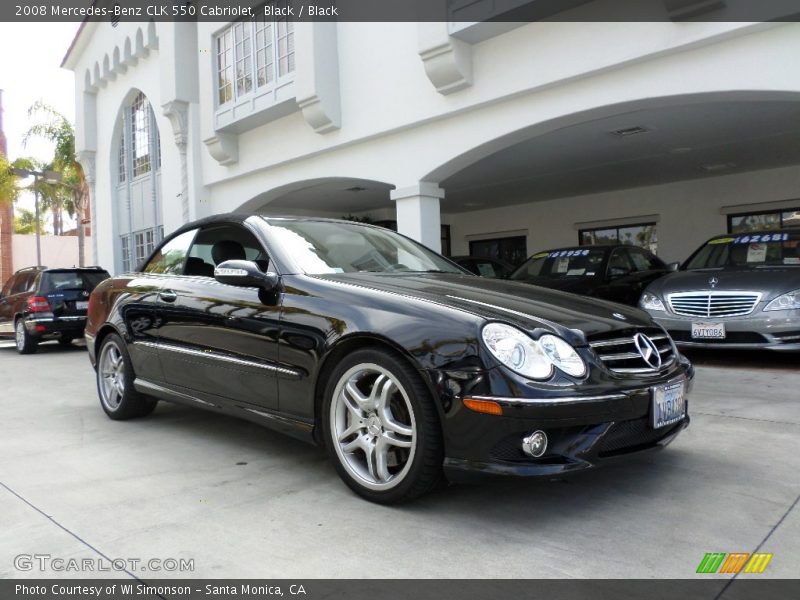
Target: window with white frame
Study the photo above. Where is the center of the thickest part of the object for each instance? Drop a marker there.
(126, 253)
(144, 244)
(253, 55)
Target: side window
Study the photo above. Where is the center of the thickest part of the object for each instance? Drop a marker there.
(644, 261)
(7, 287)
(619, 263)
(22, 283)
(217, 243)
(171, 257)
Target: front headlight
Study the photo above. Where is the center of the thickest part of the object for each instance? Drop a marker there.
(531, 358)
(790, 301)
(562, 355)
(651, 302)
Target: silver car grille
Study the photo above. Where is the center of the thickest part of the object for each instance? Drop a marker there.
(713, 304)
(621, 354)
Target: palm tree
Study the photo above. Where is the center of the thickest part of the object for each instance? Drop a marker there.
(56, 128)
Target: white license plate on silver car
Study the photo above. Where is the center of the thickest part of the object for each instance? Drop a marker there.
(708, 331)
(82, 304)
(669, 403)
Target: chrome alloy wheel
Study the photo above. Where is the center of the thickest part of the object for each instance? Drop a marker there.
(111, 372)
(19, 330)
(373, 426)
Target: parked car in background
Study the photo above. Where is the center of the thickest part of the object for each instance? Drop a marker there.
(395, 359)
(39, 304)
(618, 273)
(484, 266)
(735, 291)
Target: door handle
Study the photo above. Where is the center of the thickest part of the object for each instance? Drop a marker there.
(168, 296)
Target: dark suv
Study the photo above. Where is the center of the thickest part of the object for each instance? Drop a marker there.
(39, 304)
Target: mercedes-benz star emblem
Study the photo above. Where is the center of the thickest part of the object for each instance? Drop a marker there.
(713, 282)
(648, 349)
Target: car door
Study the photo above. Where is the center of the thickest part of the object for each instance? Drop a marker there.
(647, 268)
(6, 310)
(219, 342)
(619, 278)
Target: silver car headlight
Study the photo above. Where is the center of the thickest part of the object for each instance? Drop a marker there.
(562, 355)
(528, 357)
(651, 302)
(790, 301)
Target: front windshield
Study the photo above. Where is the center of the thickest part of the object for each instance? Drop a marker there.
(575, 262)
(320, 247)
(748, 251)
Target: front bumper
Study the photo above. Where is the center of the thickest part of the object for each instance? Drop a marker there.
(583, 431)
(773, 330)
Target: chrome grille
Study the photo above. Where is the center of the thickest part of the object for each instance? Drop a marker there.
(620, 354)
(713, 304)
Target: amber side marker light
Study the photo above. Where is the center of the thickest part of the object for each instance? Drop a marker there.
(483, 406)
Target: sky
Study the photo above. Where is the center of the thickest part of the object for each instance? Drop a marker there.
(29, 71)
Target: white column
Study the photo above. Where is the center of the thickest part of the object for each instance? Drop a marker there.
(418, 214)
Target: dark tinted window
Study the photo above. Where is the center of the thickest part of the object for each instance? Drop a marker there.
(512, 250)
(619, 263)
(171, 257)
(7, 287)
(644, 261)
(575, 262)
(57, 281)
(23, 282)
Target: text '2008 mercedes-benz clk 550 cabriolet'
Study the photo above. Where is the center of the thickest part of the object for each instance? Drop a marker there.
(402, 364)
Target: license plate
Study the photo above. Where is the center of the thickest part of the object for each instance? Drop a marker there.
(708, 331)
(669, 404)
(82, 304)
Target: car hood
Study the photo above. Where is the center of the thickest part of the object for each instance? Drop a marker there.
(576, 285)
(768, 280)
(527, 306)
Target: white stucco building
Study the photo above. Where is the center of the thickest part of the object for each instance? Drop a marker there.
(531, 134)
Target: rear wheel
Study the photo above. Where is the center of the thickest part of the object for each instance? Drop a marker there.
(26, 343)
(381, 427)
(115, 378)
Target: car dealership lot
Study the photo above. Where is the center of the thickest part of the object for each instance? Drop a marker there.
(243, 501)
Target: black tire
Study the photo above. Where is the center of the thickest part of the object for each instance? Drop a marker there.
(115, 377)
(26, 343)
(392, 473)
(66, 340)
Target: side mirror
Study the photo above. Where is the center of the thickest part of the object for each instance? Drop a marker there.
(673, 266)
(615, 272)
(245, 273)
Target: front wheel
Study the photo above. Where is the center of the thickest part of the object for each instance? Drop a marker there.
(115, 378)
(381, 427)
(26, 344)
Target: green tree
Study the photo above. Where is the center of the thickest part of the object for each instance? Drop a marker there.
(56, 128)
(25, 221)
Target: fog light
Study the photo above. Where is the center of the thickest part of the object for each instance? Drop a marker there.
(535, 444)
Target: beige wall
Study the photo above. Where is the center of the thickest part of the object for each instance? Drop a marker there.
(687, 212)
(57, 251)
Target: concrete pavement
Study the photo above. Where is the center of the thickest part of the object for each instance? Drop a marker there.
(242, 501)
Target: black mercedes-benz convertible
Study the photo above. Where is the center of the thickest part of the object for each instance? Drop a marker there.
(400, 363)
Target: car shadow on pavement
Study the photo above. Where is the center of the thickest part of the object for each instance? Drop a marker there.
(743, 359)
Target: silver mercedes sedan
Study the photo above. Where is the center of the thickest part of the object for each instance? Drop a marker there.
(735, 291)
